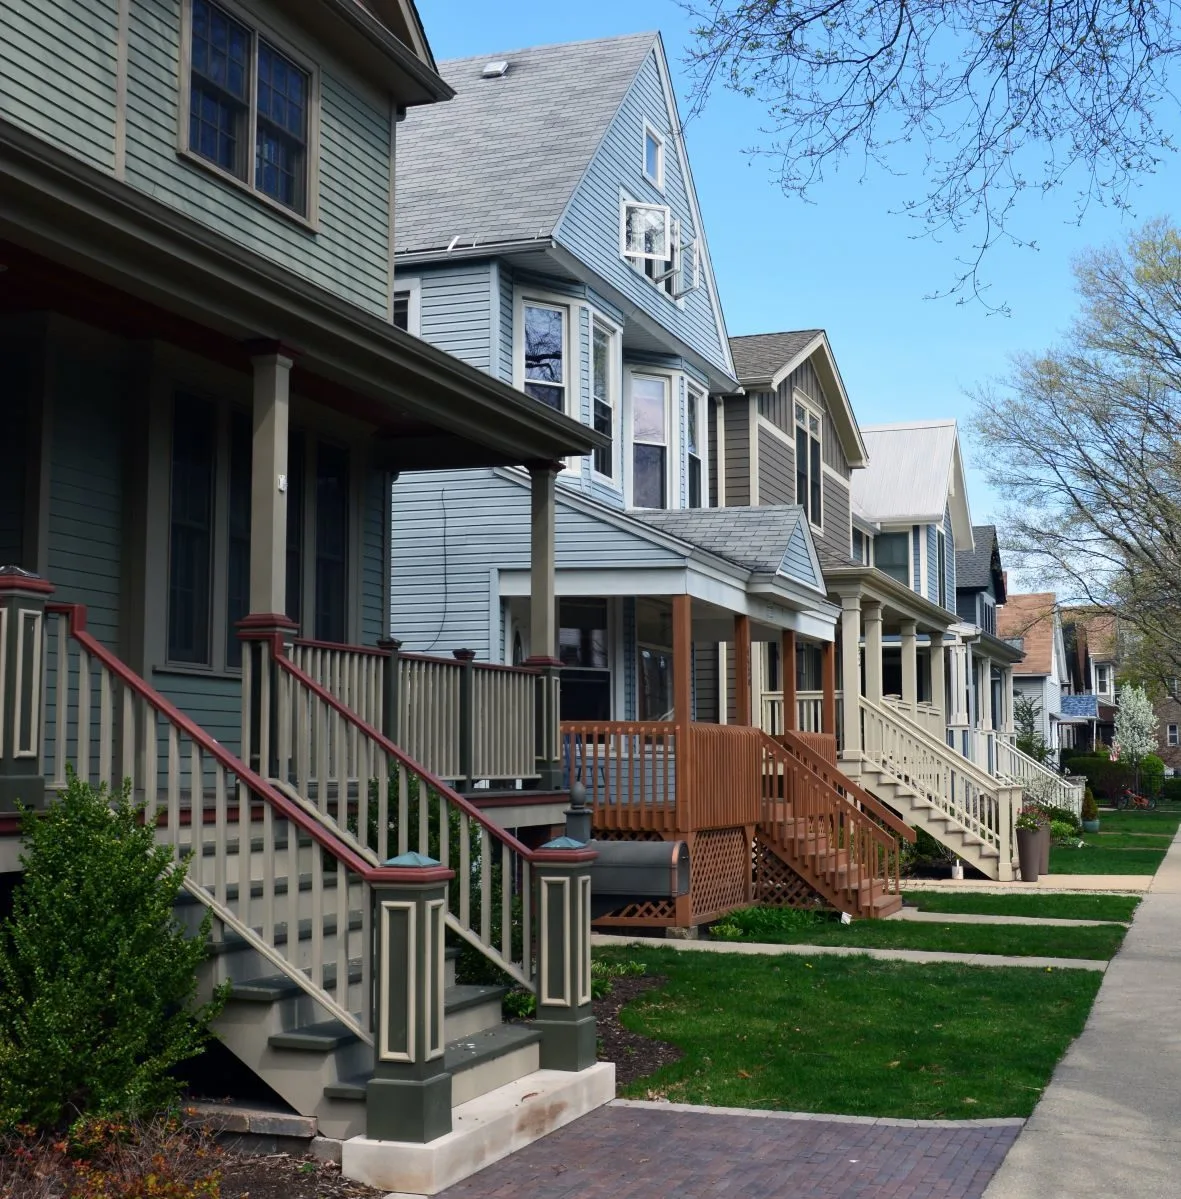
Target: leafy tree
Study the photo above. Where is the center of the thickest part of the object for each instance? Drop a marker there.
(1026, 716)
(1135, 727)
(999, 98)
(1085, 441)
(97, 979)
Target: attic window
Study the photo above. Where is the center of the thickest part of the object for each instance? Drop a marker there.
(653, 157)
(495, 70)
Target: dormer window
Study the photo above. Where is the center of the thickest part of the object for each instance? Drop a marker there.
(653, 157)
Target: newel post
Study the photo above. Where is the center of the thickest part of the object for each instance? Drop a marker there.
(390, 688)
(409, 1096)
(262, 636)
(565, 1017)
(467, 716)
(23, 597)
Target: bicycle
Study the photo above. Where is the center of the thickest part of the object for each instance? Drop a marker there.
(1129, 800)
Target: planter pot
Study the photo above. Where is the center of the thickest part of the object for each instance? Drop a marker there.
(957, 870)
(1090, 826)
(1044, 862)
(1029, 853)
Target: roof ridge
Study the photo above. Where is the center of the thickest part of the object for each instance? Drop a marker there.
(778, 333)
(941, 422)
(586, 41)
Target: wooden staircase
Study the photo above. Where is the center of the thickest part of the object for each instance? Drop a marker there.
(832, 837)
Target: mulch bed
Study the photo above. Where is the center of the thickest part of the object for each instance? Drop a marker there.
(635, 1057)
(282, 1176)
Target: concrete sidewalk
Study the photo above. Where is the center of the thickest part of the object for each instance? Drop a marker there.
(1107, 1125)
(1059, 884)
(920, 917)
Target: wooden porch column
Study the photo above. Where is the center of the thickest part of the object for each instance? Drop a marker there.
(268, 482)
(787, 680)
(682, 659)
(741, 669)
(851, 673)
(938, 678)
(910, 664)
(828, 685)
(872, 613)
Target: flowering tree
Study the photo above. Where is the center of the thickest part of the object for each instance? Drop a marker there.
(1135, 727)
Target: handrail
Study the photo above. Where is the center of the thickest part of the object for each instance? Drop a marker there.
(374, 651)
(862, 797)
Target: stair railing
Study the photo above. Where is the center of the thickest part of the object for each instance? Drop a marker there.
(1018, 767)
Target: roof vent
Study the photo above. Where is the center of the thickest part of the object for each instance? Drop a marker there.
(495, 70)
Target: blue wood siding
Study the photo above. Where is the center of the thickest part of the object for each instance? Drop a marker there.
(951, 579)
(933, 564)
(451, 529)
(374, 518)
(917, 565)
(797, 562)
(349, 255)
(456, 313)
(214, 701)
(506, 324)
(86, 492)
(590, 226)
(57, 73)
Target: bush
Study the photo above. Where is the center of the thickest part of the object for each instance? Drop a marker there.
(1152, 775)
(1105, 777)
(1062, 816)
(97, 979)
(753, 924)
(1063, 833)
(1171, 790)
(1090, 807)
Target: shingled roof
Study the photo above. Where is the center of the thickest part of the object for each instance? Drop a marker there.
(493, 165)
(758, 356)
(1030, 618)
(974, 567)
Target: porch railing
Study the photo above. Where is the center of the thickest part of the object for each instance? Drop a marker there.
(1016, 765)
(925, 715)
(809, 712)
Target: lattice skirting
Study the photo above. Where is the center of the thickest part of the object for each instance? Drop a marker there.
(776, 884)
(720, 871)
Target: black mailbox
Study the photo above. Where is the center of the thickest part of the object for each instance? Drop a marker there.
(628, 871)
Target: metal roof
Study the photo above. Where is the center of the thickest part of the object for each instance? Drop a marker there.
(1080, 705)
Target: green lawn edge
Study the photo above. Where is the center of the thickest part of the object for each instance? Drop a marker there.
(1052, 907)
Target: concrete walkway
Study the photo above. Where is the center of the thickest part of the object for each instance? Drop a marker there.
(919, 956)
(920, 917)
(1107, 1125)
(1060, 884)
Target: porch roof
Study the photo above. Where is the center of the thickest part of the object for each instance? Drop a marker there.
(898, 601)
(69, 234)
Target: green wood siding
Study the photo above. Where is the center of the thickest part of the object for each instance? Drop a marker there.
(57, 73)
(15, 371)
(374, 519)
(349, 255)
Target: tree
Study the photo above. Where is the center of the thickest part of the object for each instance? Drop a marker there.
(1135, 727)
(1001, 98)
(1084, 440)
(1026, 714)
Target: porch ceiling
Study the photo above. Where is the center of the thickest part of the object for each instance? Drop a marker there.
(77, 241)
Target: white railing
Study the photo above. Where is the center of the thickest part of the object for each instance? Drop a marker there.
(354, 674)
(809, 712)
(504, 734)
(979, 803)
(1039, 779)
(926, 716)
(428, 727)
(106, 725)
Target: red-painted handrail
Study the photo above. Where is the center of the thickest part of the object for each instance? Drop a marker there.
(257, 784)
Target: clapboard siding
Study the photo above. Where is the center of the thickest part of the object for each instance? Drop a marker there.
(349, 255)
(506, 324)
(456, 313)
(15, 370)
(951, 548)
(451, 529)
(933, 564)
(374, 519)
(712, 422)
(777, 407)
(916, 535)
(214, 701)
(777, 483)
(797, 562)
(590, 226)
(705, 682)
(837, 534)
(736, 445)
(57, 73)
(86, 492)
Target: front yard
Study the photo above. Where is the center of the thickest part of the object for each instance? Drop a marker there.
(1012, 903)
(853, 1035)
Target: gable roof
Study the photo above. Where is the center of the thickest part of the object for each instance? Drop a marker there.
(1099, 632)
(1080, 705)
(915, 473)
(760, 355)
(1030, 619)
(493, 166)
(980, 566)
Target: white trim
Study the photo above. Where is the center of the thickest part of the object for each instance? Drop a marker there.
(583, 917)
(924, 572)
(3, 669)
(412, 286)
(670, 479)
(650, 131)
(639, 256)
(543, 994)
(539, 298)
(434, 960)
(804, 401)
(384, 1052)
(776, 431)
(26, 617)
(695, 391)
(615, 394)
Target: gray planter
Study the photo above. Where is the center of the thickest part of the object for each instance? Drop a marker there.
(1090, 826)
(1029, 853)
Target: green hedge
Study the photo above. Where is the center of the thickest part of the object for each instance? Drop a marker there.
(1104, 777)
(1171, 790)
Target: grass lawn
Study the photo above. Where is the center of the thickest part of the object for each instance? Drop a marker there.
(855, 1036)
(1054, 907)
(1094, 858)
(1139, 822)
(1120, 840)
(784, 926)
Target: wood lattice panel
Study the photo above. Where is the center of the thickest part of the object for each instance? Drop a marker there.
(720, 861)
(776, 884)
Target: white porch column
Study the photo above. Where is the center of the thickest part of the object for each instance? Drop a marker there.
(851, 673)
(1007, 698)
(543, 632)
(938, 678)
(957, 712)
(872, 611)
(986, 720)
(910, 662)
(268, 484)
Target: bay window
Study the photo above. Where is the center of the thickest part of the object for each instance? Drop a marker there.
(545, 353)
(649, 441)
(603, 398)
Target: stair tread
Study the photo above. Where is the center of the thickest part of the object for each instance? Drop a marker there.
(462, 996)
(322, 1037)
(273, 987)
(231, 941)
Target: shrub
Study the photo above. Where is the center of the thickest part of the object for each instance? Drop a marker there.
(1062, 816)
(1171, 790)
(1063, 833)
(753, 924)
(97, 979)
(1104, 776)
(519, 1004)
(1152, 775)
(1090, 807)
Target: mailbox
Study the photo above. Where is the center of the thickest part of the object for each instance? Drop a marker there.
(628, 871)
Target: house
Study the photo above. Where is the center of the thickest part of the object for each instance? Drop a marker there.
(1033, 624)
(1092, 646)
(207, 397)
(592, 288)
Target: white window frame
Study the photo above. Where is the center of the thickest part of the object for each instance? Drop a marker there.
(1102, 679)
(541, 299)
(258, 29)
(801, 400)
(657, 181)
(615, 397)
(1172, 737)
(908, 531)
(670, 480)
(696, 391)
(638, 257)
(413, 289)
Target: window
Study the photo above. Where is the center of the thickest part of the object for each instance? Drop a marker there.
(647, 231)
(941, 566)
(406, 307)
(238, 563)
(603, 398)
(582, 648)
(988, 616)
(248, 103)
(545, 354)
(809, 483)
(650, 441)
(654, 646)
(1103, 680)
(653, 157)
(891, 555)
(402, 310)
(190, 566)
(332, 534)
(1173, 739)
(693, 433)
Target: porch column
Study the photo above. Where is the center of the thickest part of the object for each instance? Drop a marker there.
(828, 685)
(268, 481)
(986, 721)
(23, 637)
(787, 680)
(957, 713)
(872, 611)
(938, 677)
(741, 669)
(1007, 698)
(910, 662)
(682, 659)
(851, 672)
(543, 631)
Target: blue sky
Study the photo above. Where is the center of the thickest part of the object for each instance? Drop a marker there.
(843, 262)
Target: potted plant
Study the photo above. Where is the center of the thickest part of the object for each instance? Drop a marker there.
(1029, 848)
(1090, 812)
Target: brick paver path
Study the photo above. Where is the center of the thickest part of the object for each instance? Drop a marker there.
(625, 1152)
